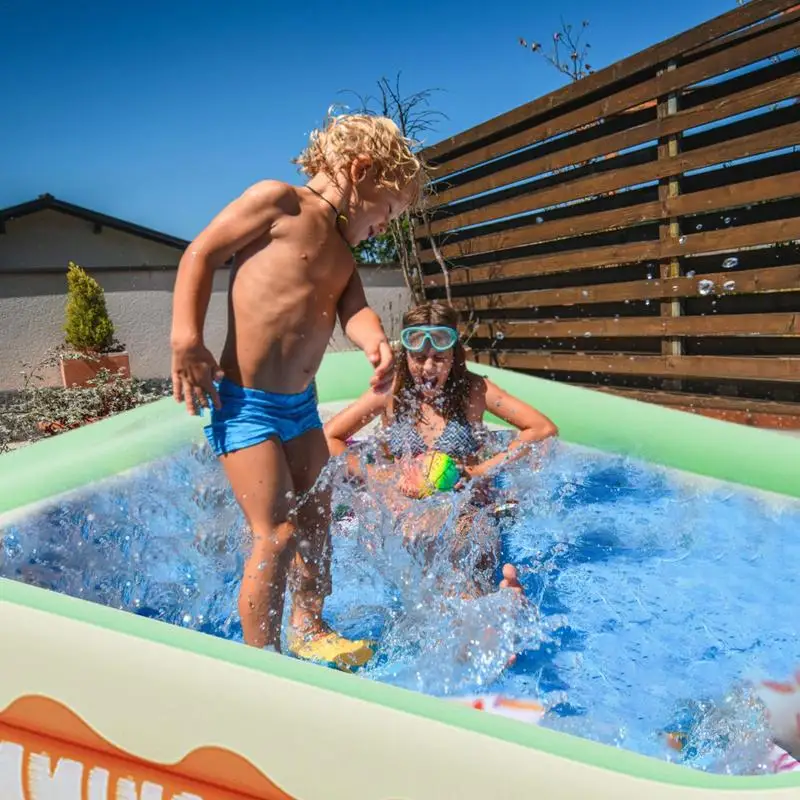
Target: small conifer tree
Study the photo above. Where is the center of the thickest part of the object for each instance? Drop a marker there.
(88, 326)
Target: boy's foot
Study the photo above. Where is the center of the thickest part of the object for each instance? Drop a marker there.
(327, 647)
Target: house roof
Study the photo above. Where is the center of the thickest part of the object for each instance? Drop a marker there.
(46, 202)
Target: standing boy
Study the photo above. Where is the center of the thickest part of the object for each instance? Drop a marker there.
(292, 276)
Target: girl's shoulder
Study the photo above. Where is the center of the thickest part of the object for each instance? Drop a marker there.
(477, 385)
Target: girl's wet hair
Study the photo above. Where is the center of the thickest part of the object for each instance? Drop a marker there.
(455, 392)
(345, 137)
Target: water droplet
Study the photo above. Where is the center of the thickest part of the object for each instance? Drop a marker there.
(500, 336)
(699, 227)
(649, 276)
(682, 240)
(647, 301)
(729, 286)
(727, 220)
(187, 619)
(705, 287)
(587, 334)
(585, 293)
(691, 273)
(730, 263)
(539, 220)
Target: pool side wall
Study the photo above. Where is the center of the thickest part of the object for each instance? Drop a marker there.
(93, 694)
(756, 458)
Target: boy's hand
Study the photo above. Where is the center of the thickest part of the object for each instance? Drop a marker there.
(194, 370)
(382, 358)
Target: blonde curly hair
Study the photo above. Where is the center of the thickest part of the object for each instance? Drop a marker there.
(347, 136)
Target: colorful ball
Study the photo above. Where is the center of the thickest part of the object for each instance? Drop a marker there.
(440, 473)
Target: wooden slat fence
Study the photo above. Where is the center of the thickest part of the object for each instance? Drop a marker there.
(639, 230)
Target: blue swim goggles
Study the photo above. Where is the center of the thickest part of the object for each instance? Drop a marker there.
(441, 337)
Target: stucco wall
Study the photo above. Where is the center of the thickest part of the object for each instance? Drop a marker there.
(33, 293)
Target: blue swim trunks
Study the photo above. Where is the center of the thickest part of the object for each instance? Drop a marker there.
(251, 416)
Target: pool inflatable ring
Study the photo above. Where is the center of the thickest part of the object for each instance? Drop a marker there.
(782, 702)
(522, 710)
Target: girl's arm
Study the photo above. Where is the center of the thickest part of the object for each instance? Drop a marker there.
(532, 424)
(352, 419)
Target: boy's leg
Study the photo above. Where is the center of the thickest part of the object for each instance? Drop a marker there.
(307, 455)
(261, 483)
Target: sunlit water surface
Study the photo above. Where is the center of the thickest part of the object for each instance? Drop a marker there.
(653, 601)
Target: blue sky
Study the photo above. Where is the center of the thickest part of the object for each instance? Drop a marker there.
(162, 112)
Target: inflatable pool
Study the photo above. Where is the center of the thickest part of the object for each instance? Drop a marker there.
(97, 703)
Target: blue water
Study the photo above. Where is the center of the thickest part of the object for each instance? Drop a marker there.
(652, 601)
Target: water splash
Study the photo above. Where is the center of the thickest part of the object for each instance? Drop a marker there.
(636, 611)
(705, 287)
(728, 733)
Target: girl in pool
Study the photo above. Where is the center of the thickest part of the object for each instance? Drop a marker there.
(436, 405)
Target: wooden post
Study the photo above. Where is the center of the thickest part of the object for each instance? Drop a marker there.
(669, 230)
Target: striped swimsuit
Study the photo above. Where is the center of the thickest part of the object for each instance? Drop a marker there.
(457, 440)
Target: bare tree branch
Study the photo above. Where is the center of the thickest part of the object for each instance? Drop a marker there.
(415, 118)
(567, 55)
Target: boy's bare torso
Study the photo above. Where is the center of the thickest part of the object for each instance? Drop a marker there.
(282, 306)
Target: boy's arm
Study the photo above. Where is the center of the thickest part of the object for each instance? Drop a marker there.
(249, 216)
(363, 327)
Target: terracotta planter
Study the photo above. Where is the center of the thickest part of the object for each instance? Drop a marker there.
(79, 371)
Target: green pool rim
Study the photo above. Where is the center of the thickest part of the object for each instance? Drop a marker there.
(42, 471)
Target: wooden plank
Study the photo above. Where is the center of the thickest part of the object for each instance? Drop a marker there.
(650, 58)
(712, 111)
(769, 279)
(743, 411)
(726, 367)
(779, 324)
(691, 400)
(669, 230)
(593, 185)
(740, 55)
(737, 36)
(754, 419)
(775, 187)
(724, 240)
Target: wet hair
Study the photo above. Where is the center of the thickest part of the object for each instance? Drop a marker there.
(343, 138)
(455, 392)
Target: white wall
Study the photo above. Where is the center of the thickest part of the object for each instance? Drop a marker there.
(139, 300)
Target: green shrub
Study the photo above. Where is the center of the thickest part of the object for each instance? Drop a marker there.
(37, 411)
(88, 326)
